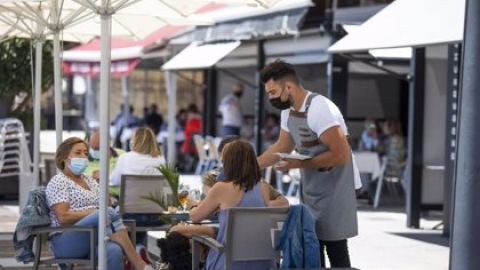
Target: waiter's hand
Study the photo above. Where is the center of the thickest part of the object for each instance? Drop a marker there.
(286, 164)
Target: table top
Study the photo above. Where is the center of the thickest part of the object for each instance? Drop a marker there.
(368, 162)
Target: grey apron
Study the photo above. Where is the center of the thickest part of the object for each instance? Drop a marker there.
(329, 194)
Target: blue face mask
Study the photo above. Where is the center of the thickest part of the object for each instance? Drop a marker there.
(78, 165)
(95, 154)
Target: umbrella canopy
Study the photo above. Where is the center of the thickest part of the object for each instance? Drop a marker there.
(73, 21)
(7, 27)
(39, 20)
(32, 18)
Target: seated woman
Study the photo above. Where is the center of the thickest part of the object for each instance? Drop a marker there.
(73, 199)
(176, 246)
(394, 149)
(275, 199)
(143, 158)
(242, 188)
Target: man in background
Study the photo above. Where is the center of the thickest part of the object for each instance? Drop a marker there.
(230, 108)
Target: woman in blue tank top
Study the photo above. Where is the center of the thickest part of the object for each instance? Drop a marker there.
(242, 188)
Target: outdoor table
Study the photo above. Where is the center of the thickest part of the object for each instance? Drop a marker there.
(368, 162)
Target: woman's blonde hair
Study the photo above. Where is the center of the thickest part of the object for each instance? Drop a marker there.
(144, 142)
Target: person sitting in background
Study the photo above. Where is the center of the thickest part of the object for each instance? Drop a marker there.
(369, 139)
(143, 158)
(394, 148)
(193, 126)
(271, 130)
(153, 119)
(162, 137)
(242, 188)
(122, 122)
(73, 199)
(94, 155)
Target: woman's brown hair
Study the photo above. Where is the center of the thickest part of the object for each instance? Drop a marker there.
(240, 164)
(145, 142)
(64, 149)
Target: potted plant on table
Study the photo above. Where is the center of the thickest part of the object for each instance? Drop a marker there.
(173, 179)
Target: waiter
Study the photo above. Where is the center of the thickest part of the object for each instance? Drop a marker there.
(313, 125)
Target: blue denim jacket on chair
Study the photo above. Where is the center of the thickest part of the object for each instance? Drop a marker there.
(298, 240)
(35, 213)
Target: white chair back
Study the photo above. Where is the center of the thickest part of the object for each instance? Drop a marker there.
(199, 142)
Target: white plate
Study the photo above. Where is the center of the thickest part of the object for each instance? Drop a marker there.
(293, 156)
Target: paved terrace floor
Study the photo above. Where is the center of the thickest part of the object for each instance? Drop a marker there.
(384, 242)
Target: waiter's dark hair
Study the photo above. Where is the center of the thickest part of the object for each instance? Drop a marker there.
(278, 70)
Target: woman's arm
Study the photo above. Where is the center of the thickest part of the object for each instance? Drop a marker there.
(67, 217)
(189, 230)
(272, 197)
(209, 204)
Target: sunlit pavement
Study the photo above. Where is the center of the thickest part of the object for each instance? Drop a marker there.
(384, 242)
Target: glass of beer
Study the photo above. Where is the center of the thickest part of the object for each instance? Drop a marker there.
(183, 199)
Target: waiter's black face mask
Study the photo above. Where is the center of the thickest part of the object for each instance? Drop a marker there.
(279, 103)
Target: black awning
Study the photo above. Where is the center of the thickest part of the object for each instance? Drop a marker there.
(276, 24)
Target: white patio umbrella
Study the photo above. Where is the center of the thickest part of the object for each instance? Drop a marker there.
(253, 3)
(6, 29)
(127, 14)
(133, 18)
(39, 20)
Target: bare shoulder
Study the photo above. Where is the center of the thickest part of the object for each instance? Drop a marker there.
(221, 188)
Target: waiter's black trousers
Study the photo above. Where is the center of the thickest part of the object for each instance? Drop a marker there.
(337, 252)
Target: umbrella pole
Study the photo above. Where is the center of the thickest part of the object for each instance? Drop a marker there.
(106, 27)
(57, 78)
(36, 110)
(126, 107)
(171, 84)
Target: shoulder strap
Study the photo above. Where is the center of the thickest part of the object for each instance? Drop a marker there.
(309, 101)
